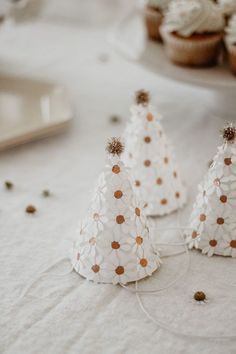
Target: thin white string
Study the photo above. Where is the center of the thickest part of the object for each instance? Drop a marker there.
(161, 324)
(169, 329)
(43, 273)
(153, 291)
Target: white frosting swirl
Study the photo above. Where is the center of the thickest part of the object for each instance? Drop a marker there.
(160, 4)
(228, 7)
(187, 17)
(231, 30)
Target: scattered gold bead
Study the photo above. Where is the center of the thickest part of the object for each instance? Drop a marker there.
(30, 209)
(199, 296)
(9, 185)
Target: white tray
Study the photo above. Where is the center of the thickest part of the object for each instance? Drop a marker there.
(31, 109)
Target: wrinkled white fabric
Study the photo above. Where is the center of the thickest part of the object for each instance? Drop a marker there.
(67, 314)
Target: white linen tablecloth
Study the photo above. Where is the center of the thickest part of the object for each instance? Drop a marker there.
(46, 309)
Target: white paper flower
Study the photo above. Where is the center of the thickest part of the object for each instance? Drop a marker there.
(138, 213)
(219, 221)
(229, 244)
(147, 265)
(202, 197)
(119, 194)
(114, 244)
(119, 220)
(139, 240)
(115, 171)
(217, 183)
(209, 242)
(95, 269)
(228, 163)
(122, 272)
(97, 218)
(199, 218)
(228, 201)
(99, 192)
(193, 239)
(77, 258)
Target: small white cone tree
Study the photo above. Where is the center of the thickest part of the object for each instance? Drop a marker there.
(150, 158)
(213, 219)
(113, 243)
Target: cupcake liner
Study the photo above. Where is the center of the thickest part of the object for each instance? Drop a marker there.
(232, 56)
(153, 19)
(189, 52)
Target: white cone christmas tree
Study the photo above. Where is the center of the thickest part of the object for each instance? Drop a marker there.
(149, 156)
(113, 244)
(213, 220)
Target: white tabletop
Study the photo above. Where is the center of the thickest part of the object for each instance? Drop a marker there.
(44, 311)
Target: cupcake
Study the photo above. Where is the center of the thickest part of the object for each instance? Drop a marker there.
(154, 12)
(192, 32)
(230, 41)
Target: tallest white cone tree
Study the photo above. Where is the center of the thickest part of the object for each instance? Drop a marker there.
(150, 158)
(114, 245)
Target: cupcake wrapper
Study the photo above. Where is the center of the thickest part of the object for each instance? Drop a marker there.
(192, 52)
(153, 21)
(231, 48)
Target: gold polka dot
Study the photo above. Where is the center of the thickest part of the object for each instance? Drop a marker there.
(223, 198)
(164, 201)
(120, 270)
(175, 174)
(166, 160)
(159, 181)
(120, 219)
(202, 217)
(177, 195)
(227, 161)
(194, 234)
(118, 194)
(147, 163)
(115, 245)
(116, 169)
(213, 243)
(139, 240)
(96, 216)
(147, 139)
(143, 262)
(149, 117)
(220, 221)
(137, 211)
(137, 183)
(78, 256)
(92, 241)
(233, 243)
(95, 268)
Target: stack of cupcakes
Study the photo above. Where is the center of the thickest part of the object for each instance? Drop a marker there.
(194, 31)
